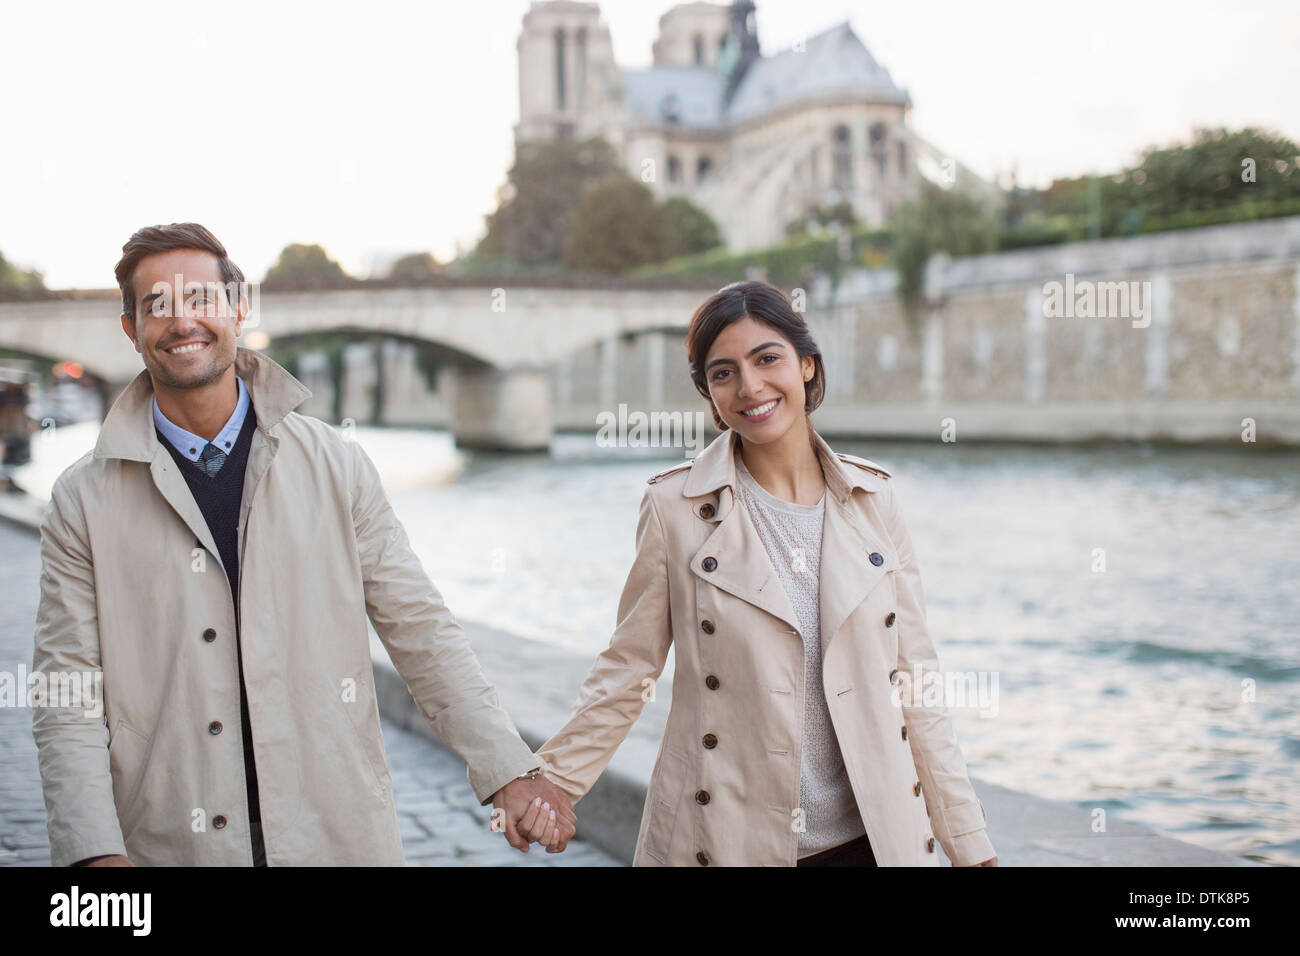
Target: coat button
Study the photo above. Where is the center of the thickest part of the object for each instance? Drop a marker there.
(916, 789)
(214, 727)
(707, 627)
(710, 741)
(929, 845)
(702, 858)
(893, 676)
(889, 619)
(711, 682)
(877, 558)
(904, 731)
(708, 564)
(701, 797)
(209, 635)
(219, 821)
(706, 511)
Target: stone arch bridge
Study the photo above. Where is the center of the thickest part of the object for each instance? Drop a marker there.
(501, 345)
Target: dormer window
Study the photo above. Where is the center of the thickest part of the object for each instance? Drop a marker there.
(842, 159)
(878, 138)
(559, 70)
(671, 108)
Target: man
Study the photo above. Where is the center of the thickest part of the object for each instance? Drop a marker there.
(213, 561)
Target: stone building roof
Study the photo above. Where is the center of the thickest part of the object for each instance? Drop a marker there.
(692, 93)
(833, 61)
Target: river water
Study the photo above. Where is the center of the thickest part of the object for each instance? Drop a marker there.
(1164, 688)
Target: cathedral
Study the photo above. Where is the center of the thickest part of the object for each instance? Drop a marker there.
(756, 141)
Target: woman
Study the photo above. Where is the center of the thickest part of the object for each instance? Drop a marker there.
(785, 577)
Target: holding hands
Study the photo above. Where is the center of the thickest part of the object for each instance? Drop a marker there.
(534, 810)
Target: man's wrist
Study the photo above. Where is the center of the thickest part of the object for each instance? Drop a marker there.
(501, 783)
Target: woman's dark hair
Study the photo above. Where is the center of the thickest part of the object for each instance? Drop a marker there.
(177, 235)
(764, 303)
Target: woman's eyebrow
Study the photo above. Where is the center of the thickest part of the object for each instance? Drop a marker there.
(757, 348)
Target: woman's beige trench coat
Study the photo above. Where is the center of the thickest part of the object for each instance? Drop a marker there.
(132, 587)
(725, 786)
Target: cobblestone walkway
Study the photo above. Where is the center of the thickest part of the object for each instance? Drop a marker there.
(440, 819)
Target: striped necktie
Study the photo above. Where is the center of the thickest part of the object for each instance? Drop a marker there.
(212, 459)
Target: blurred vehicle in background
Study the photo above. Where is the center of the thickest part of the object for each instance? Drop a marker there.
(66, 401)
(16, 423)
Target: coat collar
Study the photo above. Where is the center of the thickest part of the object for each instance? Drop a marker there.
(128, 428)
(715, 468)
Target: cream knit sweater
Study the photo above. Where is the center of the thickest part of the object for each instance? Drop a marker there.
(792, 535)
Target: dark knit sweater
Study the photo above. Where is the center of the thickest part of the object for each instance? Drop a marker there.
(219, 498)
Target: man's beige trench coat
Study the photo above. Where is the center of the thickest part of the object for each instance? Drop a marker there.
(725, 786)
(132, 583)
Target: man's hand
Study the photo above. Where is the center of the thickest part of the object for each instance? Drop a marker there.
(115, 860)
(535, 811)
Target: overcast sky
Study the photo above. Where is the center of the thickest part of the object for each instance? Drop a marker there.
(384, 126)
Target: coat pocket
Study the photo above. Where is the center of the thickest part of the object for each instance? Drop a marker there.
(128, 756)
(668, 784)
(361, 717)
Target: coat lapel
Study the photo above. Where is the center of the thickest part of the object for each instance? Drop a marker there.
(849, 539)
(743, 568)
(847, 574)
(171, 483)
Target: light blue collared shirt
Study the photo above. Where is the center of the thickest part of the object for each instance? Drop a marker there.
(191, 445)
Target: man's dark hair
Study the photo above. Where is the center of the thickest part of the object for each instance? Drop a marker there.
(176, 235)
(763, 303)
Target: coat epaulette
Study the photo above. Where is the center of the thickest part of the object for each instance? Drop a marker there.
(864, 463)
(664, 474)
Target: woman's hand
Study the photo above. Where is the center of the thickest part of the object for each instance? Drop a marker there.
(535, 811)
(991, 861)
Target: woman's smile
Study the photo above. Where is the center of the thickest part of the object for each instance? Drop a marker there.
(761, 413)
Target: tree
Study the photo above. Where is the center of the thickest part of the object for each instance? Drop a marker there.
(693, 229)
(545, 186)
(936, 220)
(819, 215)
(1219, 168)
(13, 279)
(1022, 204)
(302, 266)
(415, 268)
(617, 226)
(1207, 173)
